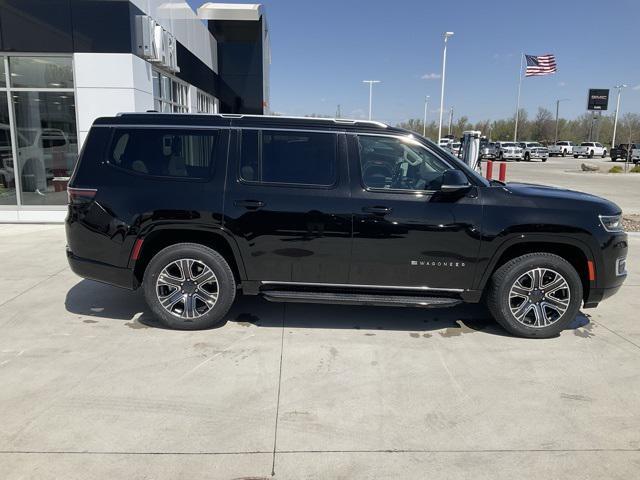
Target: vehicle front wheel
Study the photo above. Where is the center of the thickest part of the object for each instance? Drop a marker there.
(527, 157)
(604, 153)
(575, 156)
(189, 286)
(535, 295)
(564, 152)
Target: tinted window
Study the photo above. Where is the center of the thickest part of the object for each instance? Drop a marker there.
(162, 152)
(288, 157)
(399, 164)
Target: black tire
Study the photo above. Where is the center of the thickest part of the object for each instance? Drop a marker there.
(544, 160)
(225, 283)
(590, 154)
(564, 152)
(575, 156)
(503, 279)
(527, 157)
(604, 154)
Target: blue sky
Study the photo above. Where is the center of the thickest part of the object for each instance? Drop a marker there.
(322, 50)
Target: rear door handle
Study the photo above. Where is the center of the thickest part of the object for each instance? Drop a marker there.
(377, 210)
(249, 204)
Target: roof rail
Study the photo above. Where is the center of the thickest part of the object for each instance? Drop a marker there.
(344, 121)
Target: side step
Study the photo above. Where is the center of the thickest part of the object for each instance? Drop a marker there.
(360, 299)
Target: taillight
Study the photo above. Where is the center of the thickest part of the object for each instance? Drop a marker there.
(80, 196)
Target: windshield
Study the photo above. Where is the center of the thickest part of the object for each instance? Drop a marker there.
(508, 144)
(586, 144)
(535, 144)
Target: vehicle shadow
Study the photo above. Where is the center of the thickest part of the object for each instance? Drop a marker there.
(93, 299)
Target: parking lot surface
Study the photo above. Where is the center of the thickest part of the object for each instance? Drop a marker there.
(91, 387)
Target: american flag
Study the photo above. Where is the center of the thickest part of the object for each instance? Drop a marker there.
(540, 65)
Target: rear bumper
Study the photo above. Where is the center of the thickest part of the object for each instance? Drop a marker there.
(101, 272)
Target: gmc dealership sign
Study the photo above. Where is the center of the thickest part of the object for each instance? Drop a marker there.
(598, 99)
(155, 44)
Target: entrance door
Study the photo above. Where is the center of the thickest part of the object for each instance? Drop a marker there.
(287, 203)
(406, 232)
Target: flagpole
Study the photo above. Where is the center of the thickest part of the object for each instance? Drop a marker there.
(515, 131)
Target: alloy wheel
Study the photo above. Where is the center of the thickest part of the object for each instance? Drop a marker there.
(539, 297)
(187, 288)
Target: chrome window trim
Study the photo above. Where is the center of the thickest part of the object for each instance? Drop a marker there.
(353, 285)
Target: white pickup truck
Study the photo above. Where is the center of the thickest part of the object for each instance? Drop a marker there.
(589, 149)
(561, 148)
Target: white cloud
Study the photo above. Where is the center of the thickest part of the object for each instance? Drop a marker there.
(430, 76)
(637, 87)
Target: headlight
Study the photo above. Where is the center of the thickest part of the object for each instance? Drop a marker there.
(612, 223)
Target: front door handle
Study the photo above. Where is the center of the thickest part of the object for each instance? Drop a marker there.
(249, 204)
(377, 210)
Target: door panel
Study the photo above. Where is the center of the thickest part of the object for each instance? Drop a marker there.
(289, 232)
(405, 237)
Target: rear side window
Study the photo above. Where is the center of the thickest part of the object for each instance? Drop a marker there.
(288, 157)
(164, 152)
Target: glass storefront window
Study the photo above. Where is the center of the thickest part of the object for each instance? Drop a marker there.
(169, 95)
(3, 80)
(41, 72)
(7, 168)
(47, 144)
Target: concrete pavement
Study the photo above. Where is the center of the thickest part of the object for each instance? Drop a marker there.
(90, 387)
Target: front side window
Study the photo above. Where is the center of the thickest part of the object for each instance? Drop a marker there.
(162, 152)
(392, 163)
(289, 157)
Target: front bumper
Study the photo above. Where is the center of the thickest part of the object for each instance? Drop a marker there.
(512, 156)
(101, 272)
(608, 278)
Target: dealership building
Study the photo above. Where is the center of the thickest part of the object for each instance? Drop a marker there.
(63, 63)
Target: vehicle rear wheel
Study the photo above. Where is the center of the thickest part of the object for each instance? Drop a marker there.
(604, 153)
(564, 152)
(527, 157)
(591, 154)
(189, 286)
(575, 156)
(535, 295)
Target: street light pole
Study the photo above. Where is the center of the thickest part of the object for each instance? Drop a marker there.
(450, 119)
(370, 82)
(615, 120)
(444, 67)
(424, 121)
(557, 112)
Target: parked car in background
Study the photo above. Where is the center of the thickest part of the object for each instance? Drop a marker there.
(635, 153)
(454, 147)
(622, 151)
(444, 142)
(487, 150)
(283, 214)
(590, 150)
(508, 151)
(561, 148)
(534, 151)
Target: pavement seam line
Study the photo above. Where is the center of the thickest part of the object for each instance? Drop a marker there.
(617, 334)
(260, 452)
(37, 284)
(275, 433)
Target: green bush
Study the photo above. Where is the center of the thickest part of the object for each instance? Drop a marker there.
(635, 169)
(616, 169)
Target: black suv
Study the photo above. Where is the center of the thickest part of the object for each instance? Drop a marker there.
(195, 208)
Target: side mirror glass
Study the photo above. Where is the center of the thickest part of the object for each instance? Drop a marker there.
(454, 181)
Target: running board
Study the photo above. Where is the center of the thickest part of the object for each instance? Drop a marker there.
(360, 299)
